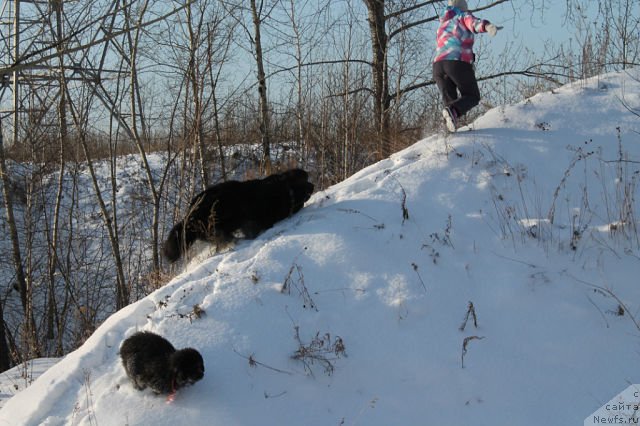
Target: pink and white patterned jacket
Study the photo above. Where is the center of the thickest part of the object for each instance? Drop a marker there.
(455, 35)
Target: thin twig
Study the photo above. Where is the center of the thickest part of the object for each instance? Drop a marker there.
(610, 293)
(253, 362)
(465, 342)
(599, 310)
(471, 311)
(415, 268)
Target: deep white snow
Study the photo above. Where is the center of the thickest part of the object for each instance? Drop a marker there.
(530, 216)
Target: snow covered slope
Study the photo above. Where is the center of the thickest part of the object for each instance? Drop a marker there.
(357, 311)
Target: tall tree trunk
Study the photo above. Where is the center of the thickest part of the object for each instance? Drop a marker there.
(136, 110)
(52, 308)
(21, 281)
(262, 91)
(122, 289)
(5, 359)
(382, 99)
(299, 63)
(5, 362)
(193, 76)
(214, 78)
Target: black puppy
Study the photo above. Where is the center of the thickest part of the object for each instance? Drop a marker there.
(219, 212)
(151, 361)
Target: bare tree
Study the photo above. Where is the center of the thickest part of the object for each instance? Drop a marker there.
(138, 128)
(380, 72)
(195, 31)
(8, 205)
(257, 17)
(20, 276)
(5, 358)
(208, 48)
(300, 41)
(53, 233)
(213, 45)
(619, 28)
(259, 12)
(606, 37)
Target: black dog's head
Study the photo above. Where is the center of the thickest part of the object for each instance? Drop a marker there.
(187, 366)
(291, 176)
(298, 181)
(301, 194)
(295, 176)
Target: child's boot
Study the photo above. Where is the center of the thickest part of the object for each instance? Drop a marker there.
(450, 118)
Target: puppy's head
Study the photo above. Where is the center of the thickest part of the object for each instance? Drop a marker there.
(187, 366)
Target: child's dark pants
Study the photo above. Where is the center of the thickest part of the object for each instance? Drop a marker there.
(454, 76)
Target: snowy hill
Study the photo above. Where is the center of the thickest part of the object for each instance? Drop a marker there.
(357, 310)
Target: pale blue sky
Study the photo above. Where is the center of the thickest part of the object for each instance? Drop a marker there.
(524, 26)
(533, 28)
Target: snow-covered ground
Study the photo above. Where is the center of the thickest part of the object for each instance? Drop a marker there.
(530, 218)
(21, 376)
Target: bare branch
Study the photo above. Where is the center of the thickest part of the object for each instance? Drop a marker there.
(21, 66)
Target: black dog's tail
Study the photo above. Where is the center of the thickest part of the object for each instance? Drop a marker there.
(174, 245)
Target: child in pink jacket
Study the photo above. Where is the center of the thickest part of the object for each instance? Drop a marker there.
(453, 64)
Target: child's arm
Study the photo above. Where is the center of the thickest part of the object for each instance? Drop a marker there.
(473, 24)
(477, 25)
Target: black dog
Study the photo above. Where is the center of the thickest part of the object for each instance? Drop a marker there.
(219, 212)
(150, 360)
